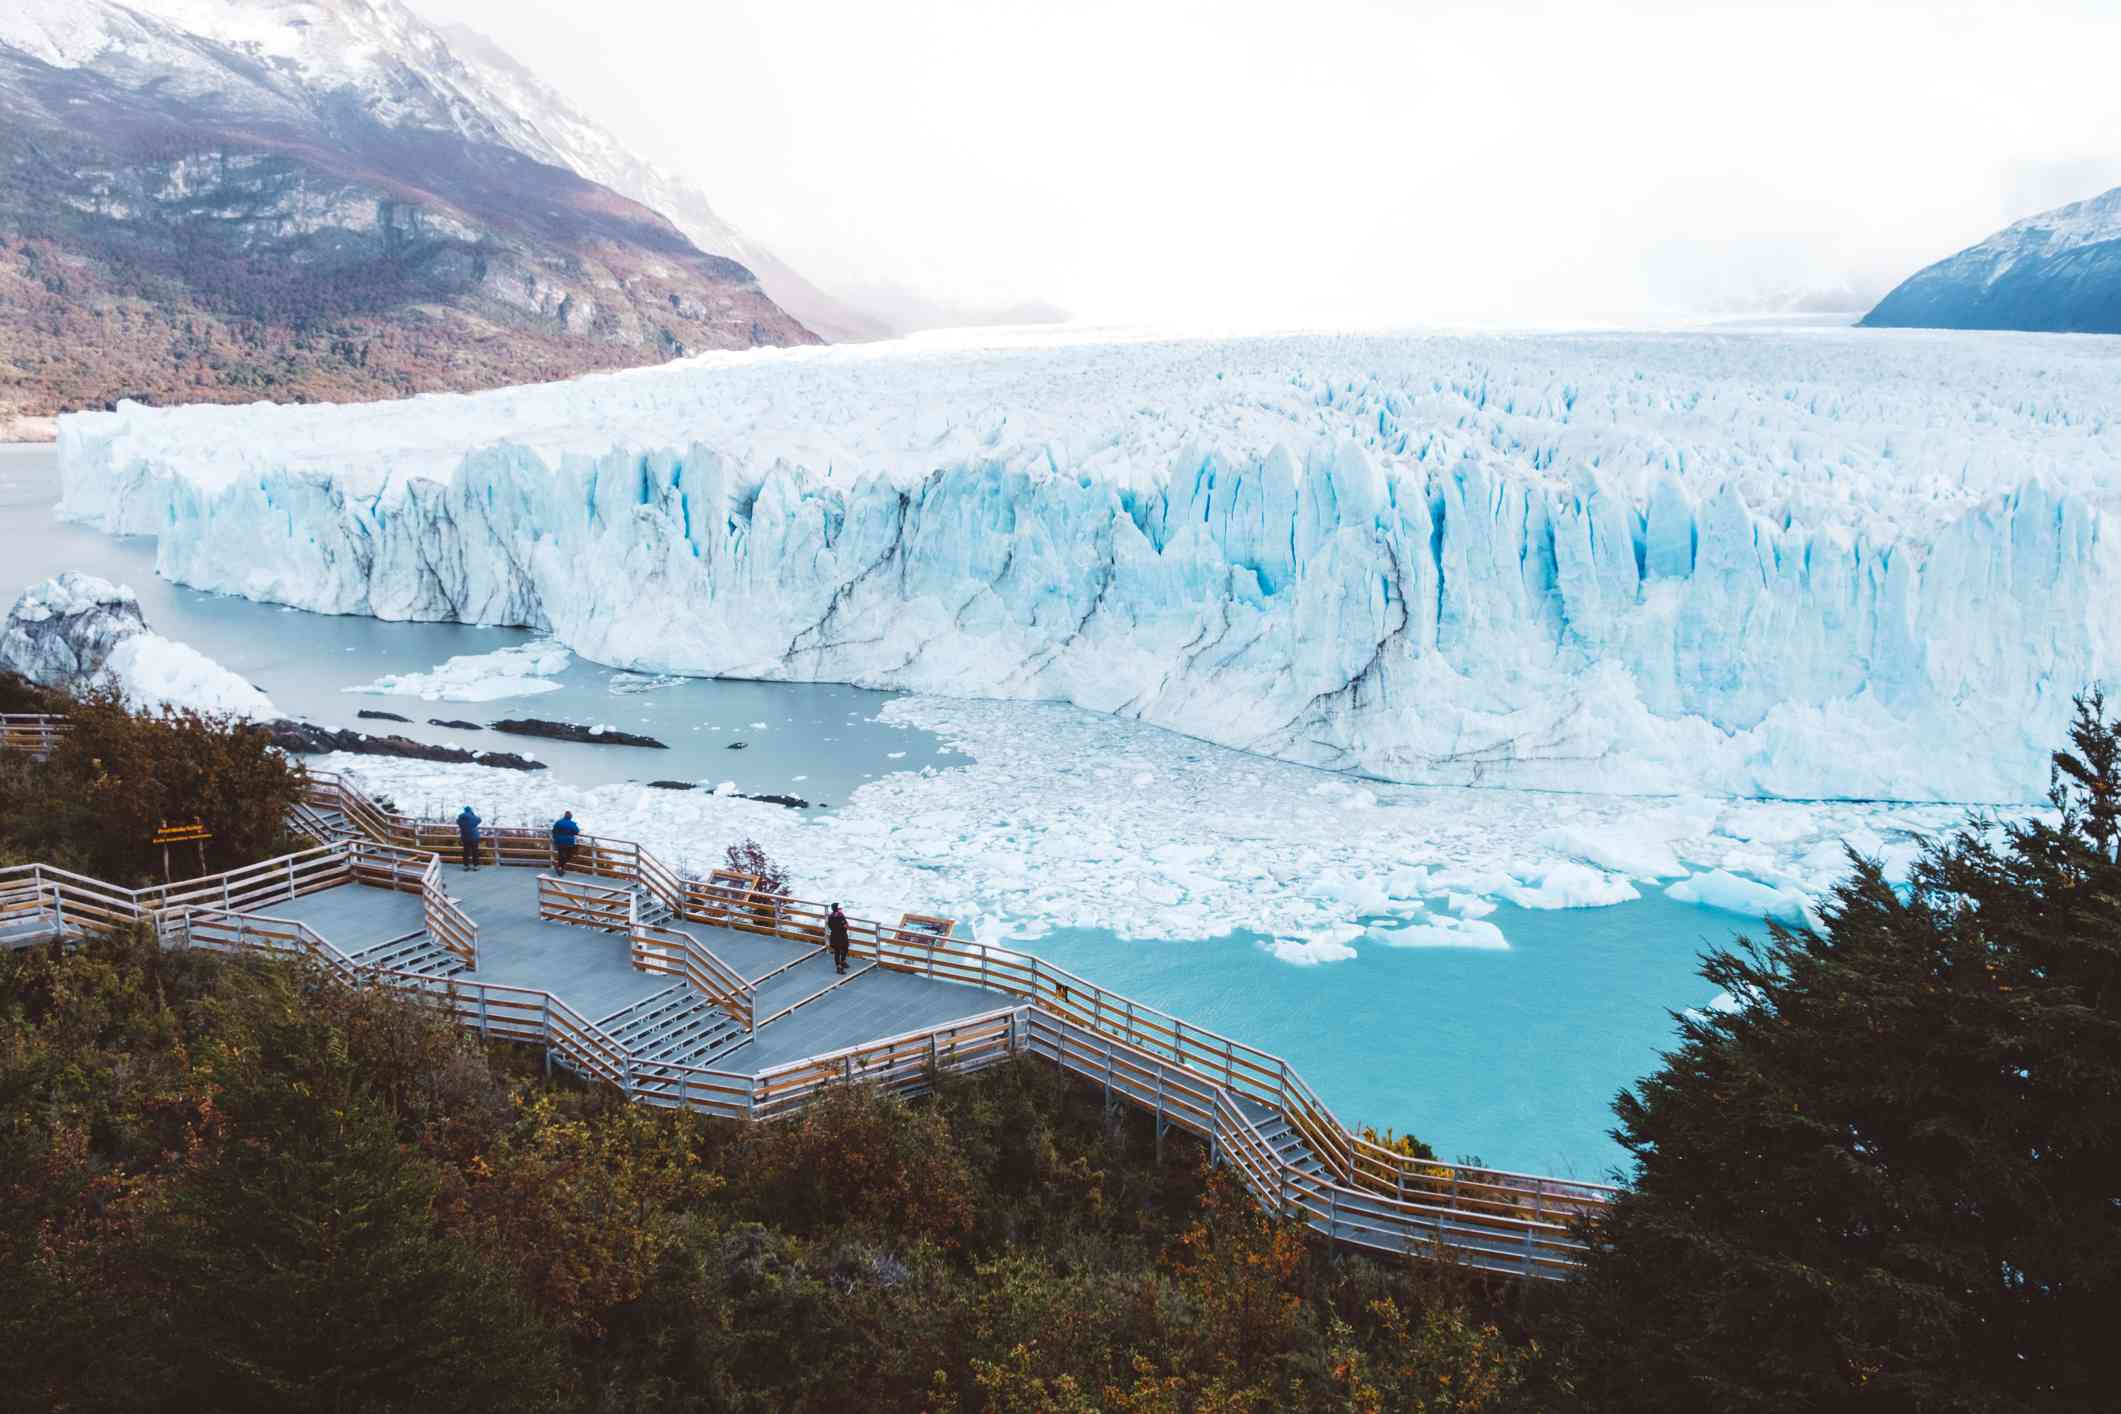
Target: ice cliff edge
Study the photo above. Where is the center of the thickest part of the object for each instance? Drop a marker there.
(1823, 564)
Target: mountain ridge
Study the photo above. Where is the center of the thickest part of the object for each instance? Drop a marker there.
(312, 199)
(2055, 272)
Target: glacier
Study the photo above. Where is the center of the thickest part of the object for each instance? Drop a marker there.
(1815, 563)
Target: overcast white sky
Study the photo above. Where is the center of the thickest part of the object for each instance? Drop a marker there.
(1347, 160)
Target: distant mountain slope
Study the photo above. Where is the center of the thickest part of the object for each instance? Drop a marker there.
(221, 200)
(2059, 271)
(555, 131)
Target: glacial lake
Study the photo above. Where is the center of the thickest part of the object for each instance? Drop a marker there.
(1512, 1055)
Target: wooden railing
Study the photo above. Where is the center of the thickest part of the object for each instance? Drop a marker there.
(903, 1064)
(222, 930)
(30, 731)
(447, 924)
(1214, 1060)
(679, 954)
(584, 904)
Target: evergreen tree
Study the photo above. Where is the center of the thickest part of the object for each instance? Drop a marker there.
(1891, 1178)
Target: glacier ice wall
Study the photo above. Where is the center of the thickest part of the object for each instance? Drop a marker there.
(1815, 563)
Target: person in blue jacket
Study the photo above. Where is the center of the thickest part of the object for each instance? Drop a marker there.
(468, 836)
(564, 834)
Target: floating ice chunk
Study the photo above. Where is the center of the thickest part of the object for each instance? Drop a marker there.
(627, 684)
(726, 788)
(1469, 905)
(1309, 952)
(1408, 882)
(1359, 896)
(758, 726)
(1443, 933)
(1719, 888)
(1641, 849)
(894, 755)
(1572, 885)
(522, 671)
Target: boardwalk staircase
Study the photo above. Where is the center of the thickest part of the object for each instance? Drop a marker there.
(1283, 1138)
(417, 953)
(325, 824)
(675, 1027)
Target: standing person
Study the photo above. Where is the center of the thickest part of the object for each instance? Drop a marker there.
(836, 930)
(564, 834)
(468, 836)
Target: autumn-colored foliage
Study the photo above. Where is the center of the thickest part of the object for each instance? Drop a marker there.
(244, 1185)
(750, 857)
(95, 804)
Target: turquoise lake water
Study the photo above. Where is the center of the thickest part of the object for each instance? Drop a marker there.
(1511, 1056)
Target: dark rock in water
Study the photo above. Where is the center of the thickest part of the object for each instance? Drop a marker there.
(736, 746)
(793, 802)
(460, 726)
(568, 731)
(309, 739)
(381, 716)
(673, 785)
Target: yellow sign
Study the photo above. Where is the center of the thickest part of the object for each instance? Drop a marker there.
(180, 834)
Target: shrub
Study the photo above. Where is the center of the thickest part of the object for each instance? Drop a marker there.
(750, 857)
(115, 777)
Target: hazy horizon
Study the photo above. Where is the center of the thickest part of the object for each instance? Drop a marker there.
(1355, 161)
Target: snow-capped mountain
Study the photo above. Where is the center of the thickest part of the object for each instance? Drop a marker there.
(1814, 563)
(2059, 271)
(219, 199)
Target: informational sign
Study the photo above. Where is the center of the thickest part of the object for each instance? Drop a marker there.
(195, 832)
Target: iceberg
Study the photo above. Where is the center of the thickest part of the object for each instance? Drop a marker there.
(78, 632)
(522, 671)
(1817, 564)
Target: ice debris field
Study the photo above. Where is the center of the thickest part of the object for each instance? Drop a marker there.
(1806, 564)
(1069, 819)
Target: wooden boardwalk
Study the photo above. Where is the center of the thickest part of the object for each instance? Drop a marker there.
(708, 995)
(593, 972)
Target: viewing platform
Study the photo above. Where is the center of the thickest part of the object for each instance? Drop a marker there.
(710, 994)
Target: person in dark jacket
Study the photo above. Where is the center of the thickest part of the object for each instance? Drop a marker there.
(564, 834)
(468, 836)
(836, 931)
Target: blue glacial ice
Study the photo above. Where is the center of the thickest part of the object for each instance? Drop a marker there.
(1809, 564)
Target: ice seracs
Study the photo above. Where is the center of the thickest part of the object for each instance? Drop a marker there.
(1824, 563)
(78, 632)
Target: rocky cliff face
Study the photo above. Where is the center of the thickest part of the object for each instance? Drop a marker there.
(2058, 272)
(302, 201)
